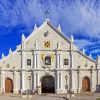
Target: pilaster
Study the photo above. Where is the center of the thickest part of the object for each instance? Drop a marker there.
(73, 81)
(2, 88)
(23, 62)
(16, 81)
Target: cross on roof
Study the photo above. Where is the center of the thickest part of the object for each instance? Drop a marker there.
(46, 12)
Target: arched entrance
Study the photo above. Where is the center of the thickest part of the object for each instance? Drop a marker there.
(48, 84)
(86, 84)
(8, 85)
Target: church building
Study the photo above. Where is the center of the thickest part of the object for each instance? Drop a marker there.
(49, 61)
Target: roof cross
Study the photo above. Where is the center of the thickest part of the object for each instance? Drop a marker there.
(46, 13)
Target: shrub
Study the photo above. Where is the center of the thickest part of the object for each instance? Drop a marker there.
(98, 98)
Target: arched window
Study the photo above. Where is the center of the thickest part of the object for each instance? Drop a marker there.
(47, 60)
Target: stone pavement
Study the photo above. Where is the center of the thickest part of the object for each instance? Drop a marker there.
(85, 96)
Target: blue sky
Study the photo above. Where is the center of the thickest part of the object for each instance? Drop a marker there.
(78, 17)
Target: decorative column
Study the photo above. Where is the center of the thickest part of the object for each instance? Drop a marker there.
(91, 84)
(57, 81)
(2, 82)
(35, 60)
(78, 80)
(14, 90)
(20, 74)
(61, 60)
(36, 55)
(58, 60)
(98, 71)
(30, 82)
(15, 81)
(97, 76)
(34, 80)
(59, 56)
(61, 81)
(13, 72)
(56, 73)
(73, 80)
(55, 59)
(23, 62)
(70, 80)
(72, 71)
(32, 72)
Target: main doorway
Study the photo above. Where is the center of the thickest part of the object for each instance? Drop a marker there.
(8, 85)
(86, 84)
(48, 84)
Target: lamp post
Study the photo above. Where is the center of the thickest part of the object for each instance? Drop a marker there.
(66, 86)
(66, 77)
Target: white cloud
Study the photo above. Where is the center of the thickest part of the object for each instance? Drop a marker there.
(80, 17)
(74, 15)
(92, 47)
(95, 51)
(83, 43)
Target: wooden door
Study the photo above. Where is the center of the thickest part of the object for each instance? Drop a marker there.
(86, 84)
(8, 86)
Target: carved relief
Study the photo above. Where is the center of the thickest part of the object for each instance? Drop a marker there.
(47, 44)
(44, 55)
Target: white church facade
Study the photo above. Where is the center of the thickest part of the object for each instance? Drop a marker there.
(47, 59)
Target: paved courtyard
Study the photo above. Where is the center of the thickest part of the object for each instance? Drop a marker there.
(85, 96)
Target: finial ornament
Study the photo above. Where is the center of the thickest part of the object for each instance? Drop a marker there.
(10, 50)
(98, 57)
(35, 27)
(59, 28)
(90, 56)
(2, 55)
(83, 51)
(46, 13)
(72, 39)
(23, 37)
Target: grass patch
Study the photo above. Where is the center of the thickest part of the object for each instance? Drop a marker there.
(98, 98)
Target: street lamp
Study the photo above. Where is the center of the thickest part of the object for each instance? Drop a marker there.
(66, 86)
(66, 77)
